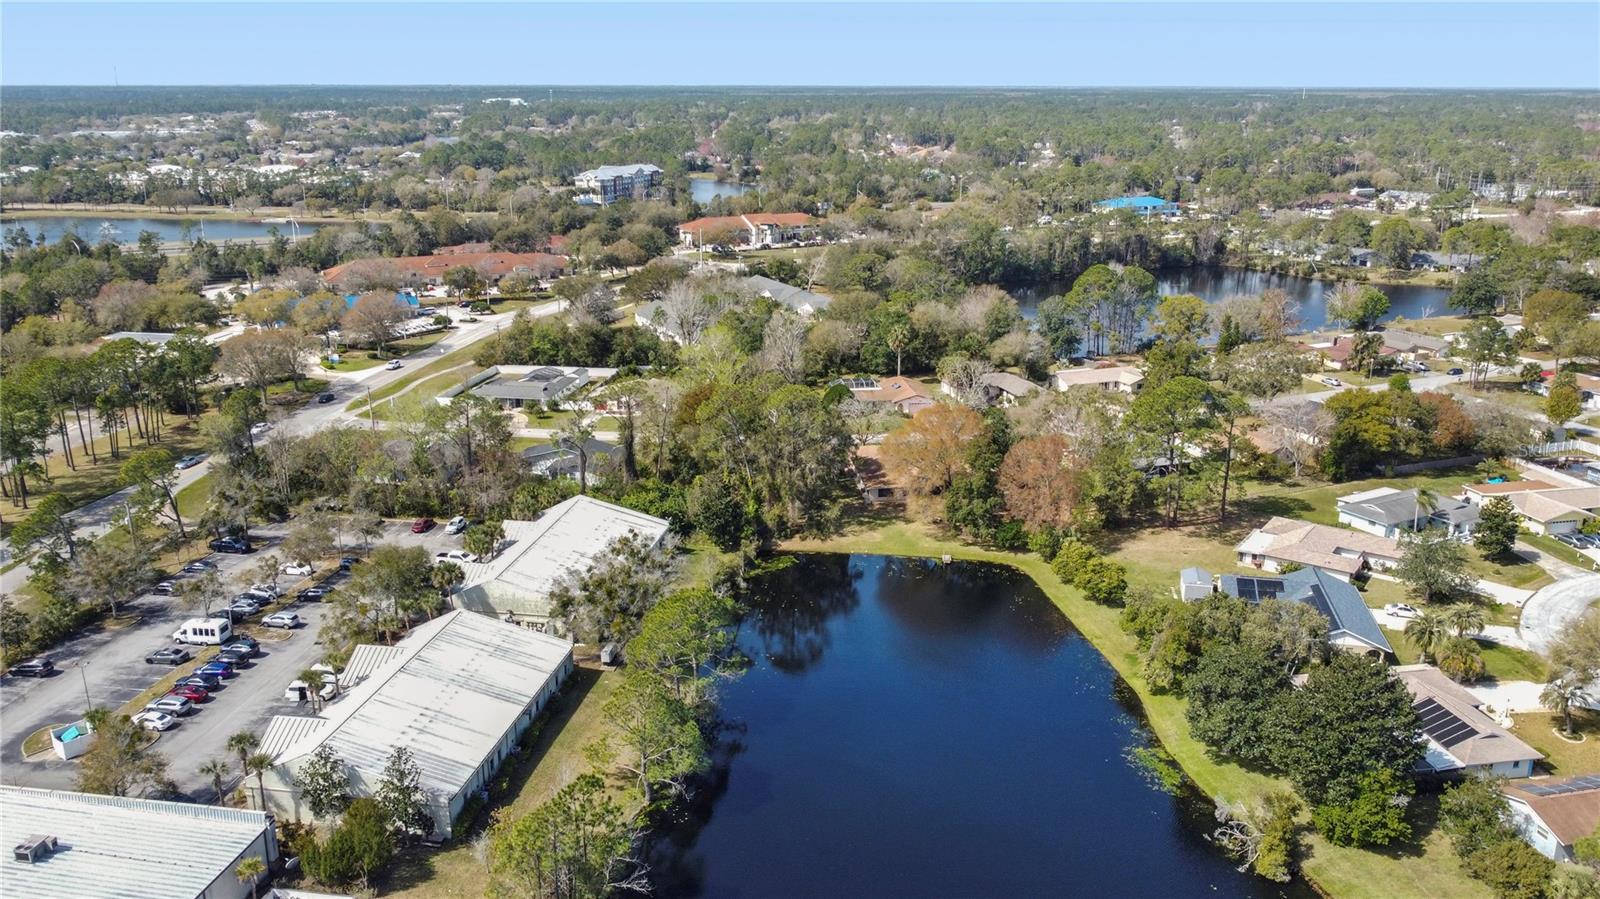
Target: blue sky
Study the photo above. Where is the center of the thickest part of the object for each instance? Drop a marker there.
(1284, 44)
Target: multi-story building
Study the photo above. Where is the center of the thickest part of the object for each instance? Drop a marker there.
(610, 183)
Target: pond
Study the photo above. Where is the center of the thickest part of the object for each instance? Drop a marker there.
(126, 230)
(915, 729)
(704, 190)
(1214, 283)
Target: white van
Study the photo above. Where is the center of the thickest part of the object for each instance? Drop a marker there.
(204, 631)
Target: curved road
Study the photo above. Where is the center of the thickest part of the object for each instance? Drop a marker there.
(1548, 612)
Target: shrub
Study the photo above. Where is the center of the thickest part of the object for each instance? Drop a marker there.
(1103, 581)
(1375, 816)
(1045, 542)
(1011, 535)
(1513, 869)
(1071, 559)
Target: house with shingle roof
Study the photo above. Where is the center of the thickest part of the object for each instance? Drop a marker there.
(1554, 813)
(1462, 738)
(1388, 512)
(1337, 551)
(1545, 508)
(1351, 627)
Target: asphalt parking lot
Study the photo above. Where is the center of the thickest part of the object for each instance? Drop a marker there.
(107, 668)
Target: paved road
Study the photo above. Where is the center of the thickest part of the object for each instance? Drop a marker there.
(1552, 607)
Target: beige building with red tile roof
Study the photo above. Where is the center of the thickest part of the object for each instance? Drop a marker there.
(751, 229)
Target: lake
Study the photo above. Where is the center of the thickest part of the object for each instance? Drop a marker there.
(915, 729)
(126, 230)
(1214, 283)
(704, 190)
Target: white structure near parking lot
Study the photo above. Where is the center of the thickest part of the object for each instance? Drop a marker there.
(568, 537)
(110, 847)
(458, 692)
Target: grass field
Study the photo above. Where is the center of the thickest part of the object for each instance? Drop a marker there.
(1424, 869)
(92, 480)
(462, 356)
(1562, 757)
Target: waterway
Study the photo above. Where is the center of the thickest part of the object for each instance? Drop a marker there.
(704, 190)
(126, 230)
(915, 729)
(1215, 283)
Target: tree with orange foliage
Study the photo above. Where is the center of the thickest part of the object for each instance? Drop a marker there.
(927, 452)
(1042, 482)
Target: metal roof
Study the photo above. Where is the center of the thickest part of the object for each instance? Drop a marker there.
(1337, 600)
(460, 683)
(118, 847)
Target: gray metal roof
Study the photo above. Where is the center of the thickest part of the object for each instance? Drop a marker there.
(529, 390)
(1195, 575)
(793, 297)
(1402, 507)
(121, 848)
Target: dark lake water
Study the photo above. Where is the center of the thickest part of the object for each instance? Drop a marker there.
(126, 230)
(704, 190)
(1213, 283)
(916, 729)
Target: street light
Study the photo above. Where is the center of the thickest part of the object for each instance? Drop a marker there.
(88, 705)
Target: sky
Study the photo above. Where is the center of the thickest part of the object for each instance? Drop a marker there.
(1132, 44)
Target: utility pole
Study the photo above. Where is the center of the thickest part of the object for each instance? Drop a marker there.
(371, 415)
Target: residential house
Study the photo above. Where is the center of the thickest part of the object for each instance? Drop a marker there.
(1414, 347)
(567, 538)
(1337, 551)
(1121, 378)
(871, 479)
(1388, 512)
(1351, 627)
(609, 183)
(527, 386)
(907, 395)
(1544, 508)
(1144, 206)
(458, 692)
(89, 846)
(555, 460)
(418, 271)
(802, 302)
(1462, 738)
(1336, 353)
(1554, 813)
(999, 388)
(753, 229)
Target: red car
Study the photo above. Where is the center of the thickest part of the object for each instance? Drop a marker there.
(422, 525)
(193, 694)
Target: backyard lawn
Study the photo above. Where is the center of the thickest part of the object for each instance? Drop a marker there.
(1562, 757)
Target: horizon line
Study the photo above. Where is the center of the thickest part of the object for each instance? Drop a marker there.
(731, 86)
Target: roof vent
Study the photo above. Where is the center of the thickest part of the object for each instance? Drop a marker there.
(35, 847)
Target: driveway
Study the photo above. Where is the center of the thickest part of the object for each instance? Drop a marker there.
(1547, 613)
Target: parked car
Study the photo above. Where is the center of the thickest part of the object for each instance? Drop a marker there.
(190, 692)
(394, 365)
(154, 720)
(259, 428)
(217, 668)
(287, 620)
(1400, 610)
(313, 594)
(39, 667)
(298, 569)
(207, 682)
(187, 462)
(165, 588)
(200, 567)
(236, 545)
(244, 641)
(271, 590)
(175, 655)
(170, 705)
(454, 555)
(456, 525)
(1455, 371)
(348, 562)
(422, 525)
(248, 598)
(325, 397)
(235, 657)
(1332, 382)
(297, 690)
(242, 609)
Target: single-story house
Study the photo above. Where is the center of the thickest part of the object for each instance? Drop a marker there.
(802, 302)
(570, 536)
(554, 460)
(1195, 583)
(871, 478)
(752, 229)
(1337, 551)
(522, 386)
(907, 395)
(89, 846)
(999, 388)
(1351, 626)
(1412, 346)
(1554, 813)
(1336, 355)
(151, 338)
(458, 692)
(1462, 738)
(1388, 512)
(1544, 508)
(1121, 378)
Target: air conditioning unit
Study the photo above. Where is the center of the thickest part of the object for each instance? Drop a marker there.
(34, 848)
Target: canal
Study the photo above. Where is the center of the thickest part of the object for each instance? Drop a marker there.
(915, 729)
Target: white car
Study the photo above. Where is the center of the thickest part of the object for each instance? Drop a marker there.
(155, 720)
(456, 525)
(266, 590)
(298, 569)
(455, 555)
(296, 691)
(281, 619)
(393, 364)
(1333, 382)
(259, 428)
(1400, 610)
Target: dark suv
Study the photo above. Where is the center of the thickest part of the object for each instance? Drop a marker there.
(237, 545)
(40, 667)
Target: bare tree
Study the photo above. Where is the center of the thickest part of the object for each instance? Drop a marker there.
(1299, 428)
(962, 377)
(691, 306)
(375, 318)
(783, 345)
(259, 358)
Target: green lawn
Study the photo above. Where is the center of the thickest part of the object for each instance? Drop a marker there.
(92, 480)
(1425, 870)
(446, 362)
(1558, 549)
(1512, 570)
(1562, 757)
(358, 361)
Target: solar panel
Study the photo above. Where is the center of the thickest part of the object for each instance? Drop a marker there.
(1579, 784)
(1442, 725)
(1255, 589)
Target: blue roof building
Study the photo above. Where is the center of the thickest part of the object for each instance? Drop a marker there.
(401, 298)
(1145, 205)
(1350, 623)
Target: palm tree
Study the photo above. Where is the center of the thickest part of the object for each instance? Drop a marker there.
(1465, 618)
(1428, 632)
(575, 437)
(217, 770)
(312, 677)
(249, 871)
(242, 744)
(1561, 694)
(445, 576)
(1424, 499)
(259, 764)
(1460, 659)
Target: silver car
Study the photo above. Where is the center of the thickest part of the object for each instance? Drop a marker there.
(170, 705)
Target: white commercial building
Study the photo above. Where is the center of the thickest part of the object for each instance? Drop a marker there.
(87, 846)
(457, 692)
(516, 584)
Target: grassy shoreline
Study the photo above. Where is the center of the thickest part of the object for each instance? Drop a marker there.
(134, 210)
(1424, 870)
